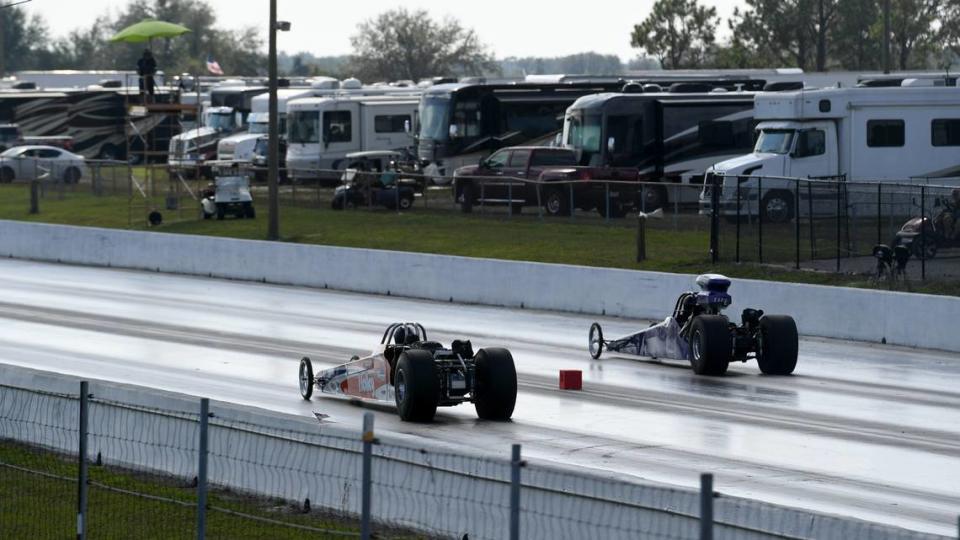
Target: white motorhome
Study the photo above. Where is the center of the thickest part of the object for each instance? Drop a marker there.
(240, 147)
(894, 134)
(322, 131)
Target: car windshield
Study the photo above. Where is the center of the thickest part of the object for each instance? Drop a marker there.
(434, 111)
(222, 121)
(303, 127)
(774, 141)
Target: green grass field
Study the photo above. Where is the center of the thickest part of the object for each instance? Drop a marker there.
(44, 505)
(672, 246)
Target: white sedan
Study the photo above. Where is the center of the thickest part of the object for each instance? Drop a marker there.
(40, 162)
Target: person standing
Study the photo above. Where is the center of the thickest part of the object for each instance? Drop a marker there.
(146, 69)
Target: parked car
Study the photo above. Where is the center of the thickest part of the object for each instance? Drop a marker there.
(40, 162)
(501, 178)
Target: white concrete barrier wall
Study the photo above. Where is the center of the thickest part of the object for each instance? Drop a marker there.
(447, 490)
(858, 314)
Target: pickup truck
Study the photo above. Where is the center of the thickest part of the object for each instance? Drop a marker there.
(505, 178)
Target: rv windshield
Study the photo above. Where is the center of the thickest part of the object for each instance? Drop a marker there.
(774, 141)
(223, 121)
(303, 127)
(434, 111)
(583, 132)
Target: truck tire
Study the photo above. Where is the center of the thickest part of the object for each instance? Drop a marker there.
(777, 207)
(777, 347)
(466, 198)
(7, 175)
(711, 346)
(495, 387)
(306, 378)
(556, 201)
(416, 388)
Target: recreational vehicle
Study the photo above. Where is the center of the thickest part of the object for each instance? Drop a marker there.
(887, 134)
(460, 123)
(322, 131)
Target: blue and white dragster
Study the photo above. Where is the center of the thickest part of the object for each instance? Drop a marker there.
(699, 332)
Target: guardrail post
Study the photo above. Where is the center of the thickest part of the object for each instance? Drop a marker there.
(796, 217)
(571, 206)
(539, 202)
(510, 198)
(760, 219)
(738, 219)
(879, 213)
(923, 235)
(367, 486)
(838, 227)
(483, 197)
(714, 218)
(642, 237)
(706, 506)
(515, 465)
(82, 458)
(606, 186)
(34, 196)
(202, 469)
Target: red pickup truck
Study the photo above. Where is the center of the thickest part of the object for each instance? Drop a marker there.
(551, 177)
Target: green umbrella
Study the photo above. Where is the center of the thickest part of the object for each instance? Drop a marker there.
(147, 30)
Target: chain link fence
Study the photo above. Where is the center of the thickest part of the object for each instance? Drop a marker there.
(871, 229)
(147, 472)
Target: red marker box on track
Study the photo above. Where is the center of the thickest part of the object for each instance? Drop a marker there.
(571, 379)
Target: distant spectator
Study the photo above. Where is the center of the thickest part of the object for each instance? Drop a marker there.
(146, 69)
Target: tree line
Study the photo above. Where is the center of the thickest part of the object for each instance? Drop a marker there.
(815, 35)
(402, 44)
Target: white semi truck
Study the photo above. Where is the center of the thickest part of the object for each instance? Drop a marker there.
(895, 134)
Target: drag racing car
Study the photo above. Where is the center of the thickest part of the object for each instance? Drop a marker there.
(699, 332)
(419, 375)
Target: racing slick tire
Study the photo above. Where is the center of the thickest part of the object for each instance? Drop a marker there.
(306, 378)
(777, 347)
(595, 341)
(495, 387)
(710, 345)
(416, 388)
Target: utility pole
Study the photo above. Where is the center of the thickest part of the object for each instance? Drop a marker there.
(273, 161)
(886, 36)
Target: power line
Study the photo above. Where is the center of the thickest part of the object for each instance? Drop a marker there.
(15, 3)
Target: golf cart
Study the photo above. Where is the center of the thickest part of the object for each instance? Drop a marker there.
(229, 193)
(375, 178)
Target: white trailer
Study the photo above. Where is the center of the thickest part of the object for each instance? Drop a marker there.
(894, 134)
(322, 131)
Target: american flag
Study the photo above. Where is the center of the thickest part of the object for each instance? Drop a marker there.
(213, 67)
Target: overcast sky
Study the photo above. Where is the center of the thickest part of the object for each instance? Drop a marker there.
(509, 27)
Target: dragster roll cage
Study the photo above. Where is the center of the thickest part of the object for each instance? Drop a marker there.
(416, 329)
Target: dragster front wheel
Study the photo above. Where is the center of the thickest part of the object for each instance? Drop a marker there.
(595, 343)
(306, 378)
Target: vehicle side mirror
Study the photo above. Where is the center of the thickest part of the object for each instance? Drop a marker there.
(454, 132)
(611, 144)
(558, 140)
(406, 126)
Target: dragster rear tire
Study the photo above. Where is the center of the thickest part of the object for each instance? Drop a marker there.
(306, 378)
(495, 387)
(778, 347)
(711, 346)
(416, 388)
(595, 341)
